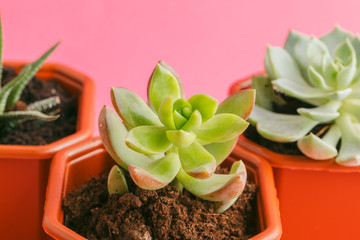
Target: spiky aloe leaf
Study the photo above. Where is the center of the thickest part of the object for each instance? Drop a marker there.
(205, 104)
(44, 104)
(163, 82)
(26, 115)
(240, 104)
(30, 73)
(196, 161)
(116, 182)
(132, 109)
(113, 133)
(157, 174)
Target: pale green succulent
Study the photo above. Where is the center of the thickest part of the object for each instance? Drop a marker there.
(323, 72)
(176, 140)
(10, 94)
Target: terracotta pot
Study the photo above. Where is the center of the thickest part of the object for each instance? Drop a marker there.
(318, 199)
(24, 169)
(71, 168)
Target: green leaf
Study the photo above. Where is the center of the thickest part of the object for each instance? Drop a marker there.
(196, 161)
(279, 64)
(300, 55)
(116, 182)
(44, 104)
(330, 71)
(165, 113)
(240, 103)
(216, 188)
(30, 73)
(26, 115)
(180, 138)
(163, 82)
(335, 37)
(205, 104)
(349, 153)
(113, 132)
(280, 127)
(351, 106)
(316, 51)
(292, 39)
(316, 80)
(148, 139)
(157, 174)
(323, 113)
(346, 54)
(315, 148)
(132, 109)
(179, 120)
(222, 127)
(309, 94)
(194, 121)
(221, 150)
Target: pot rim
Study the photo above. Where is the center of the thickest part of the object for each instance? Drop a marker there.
(84, 122)
(268, 204)
(279, 160)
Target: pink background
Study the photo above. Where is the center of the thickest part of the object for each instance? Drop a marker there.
(209, 43)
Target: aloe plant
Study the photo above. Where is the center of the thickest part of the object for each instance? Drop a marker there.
(325, 73)
(176, 140)
(10, 94)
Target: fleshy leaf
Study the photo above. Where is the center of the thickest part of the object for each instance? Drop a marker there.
(221, 150)
(280, 127)
(193, 122)
(148, 139)
(180, 138)
(221, 207)
(222, 127)
(316, 80)
(291, 41)
(132, 109)
(316, 51)
(346, 54)
(113, 132)
(179, 120)
(163, 82)
(315, 148)
(219, 187)
(323, 113)
(335, 37)
(300, 54)
(240, 104)
(307, 93)
(165, 113)
(330, 71)
(157, 174)
(352, 106)
(196, 161)
(116, 182)
(275, 60)
(349, 153)
(205, 104)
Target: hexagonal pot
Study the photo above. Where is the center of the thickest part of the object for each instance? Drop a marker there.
(72, 167)
(318, 199)
(24, 169)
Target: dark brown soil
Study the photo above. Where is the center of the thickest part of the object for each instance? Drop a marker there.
(161, 214)
(34, 132)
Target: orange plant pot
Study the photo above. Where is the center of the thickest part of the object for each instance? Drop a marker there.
(318, 199)
(72, 167)
(24, 169)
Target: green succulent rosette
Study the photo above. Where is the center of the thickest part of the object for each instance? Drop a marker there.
(173, 139)
(325, 73)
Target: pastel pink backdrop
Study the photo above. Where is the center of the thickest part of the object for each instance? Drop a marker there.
(209, 43)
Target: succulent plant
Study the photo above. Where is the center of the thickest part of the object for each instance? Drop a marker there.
(11, 111)
(176, 140)
(325, 73)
